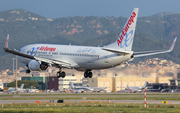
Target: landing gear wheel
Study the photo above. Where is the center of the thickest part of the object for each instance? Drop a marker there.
(61, 74)
(88, 74)
(28, 71)
(85, 74)
(58, 74)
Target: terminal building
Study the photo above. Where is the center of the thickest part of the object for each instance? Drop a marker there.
(120, 83)
(63, 83)
(1, 85)
(175, 82)
(112, 82)
(44, 82)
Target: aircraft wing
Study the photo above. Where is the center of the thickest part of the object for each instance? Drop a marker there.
(49, 61)
(52, 61)
(120, 52)
(147, 53)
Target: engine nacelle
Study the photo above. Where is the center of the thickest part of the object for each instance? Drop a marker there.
(36, 66)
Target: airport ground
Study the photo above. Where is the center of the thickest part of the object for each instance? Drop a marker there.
(89, 102)
(88, 108)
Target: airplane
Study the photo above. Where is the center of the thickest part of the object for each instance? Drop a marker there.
(98, 89)
(135, 89)
(38, 57)
(79, 88)
(76, 90)
(153, 90)
(16, 90)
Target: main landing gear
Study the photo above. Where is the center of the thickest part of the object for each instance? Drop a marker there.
(61, 74)
(28, 71)
(88, 74)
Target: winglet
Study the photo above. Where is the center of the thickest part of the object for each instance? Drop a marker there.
(172, 46)
(6, 44)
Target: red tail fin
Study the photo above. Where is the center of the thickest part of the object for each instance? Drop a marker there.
(6, 44)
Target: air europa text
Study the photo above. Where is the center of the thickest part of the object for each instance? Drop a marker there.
(47, 48)
(124, 31)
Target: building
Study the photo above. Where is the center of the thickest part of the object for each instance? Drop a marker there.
(1, 85)
(44, 82)
(175, 83)
(64, 82)
(39, 80)
(101, 82)
(120, 83)
(53, 82)
(157, 86)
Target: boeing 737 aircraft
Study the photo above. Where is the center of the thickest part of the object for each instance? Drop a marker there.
(135, 89)
(78, 89)
(38, 57)
(16, 90)
(98, 89)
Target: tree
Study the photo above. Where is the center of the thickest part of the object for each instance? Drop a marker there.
(27, 84)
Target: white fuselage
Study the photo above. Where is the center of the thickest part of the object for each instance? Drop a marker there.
(14, 90)
(80, 57)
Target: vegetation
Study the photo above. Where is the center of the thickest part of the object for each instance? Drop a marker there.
(87, 107)
(27, 84)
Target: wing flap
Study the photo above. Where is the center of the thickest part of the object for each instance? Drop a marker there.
(52, 61)
(120, 52)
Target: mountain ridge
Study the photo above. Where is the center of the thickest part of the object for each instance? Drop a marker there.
(26, 28)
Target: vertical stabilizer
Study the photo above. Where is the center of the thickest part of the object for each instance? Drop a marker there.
(145, 85)
(125, 38)
(22, 86)
(88, 85)
(127, 87)
(6, 44)
(71, 85)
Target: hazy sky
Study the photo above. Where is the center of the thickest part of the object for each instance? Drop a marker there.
(65, 8)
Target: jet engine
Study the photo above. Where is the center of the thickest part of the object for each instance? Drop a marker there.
(36, 66)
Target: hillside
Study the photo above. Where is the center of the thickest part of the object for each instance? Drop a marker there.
(24, 27)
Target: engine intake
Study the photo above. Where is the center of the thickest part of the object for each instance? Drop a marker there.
(132, 56)
(36, 66)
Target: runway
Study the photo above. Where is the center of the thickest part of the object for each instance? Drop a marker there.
(45, 97)
(78, 101)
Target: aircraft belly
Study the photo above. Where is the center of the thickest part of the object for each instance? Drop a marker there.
(101, 64)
